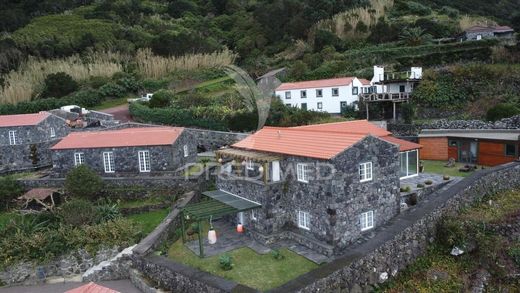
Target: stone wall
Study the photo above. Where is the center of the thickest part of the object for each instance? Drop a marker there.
(211, 140)
(78, 262)
(374, 261)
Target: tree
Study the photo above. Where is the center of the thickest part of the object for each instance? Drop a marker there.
(414, 36)
(501, 111)
(408, 111)
(57, 85)
(10, 189)
(83, 182)
(177, 8)
(298, 69)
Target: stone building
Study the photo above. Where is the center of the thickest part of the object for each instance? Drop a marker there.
(322, 186)
(25, 140)
(476, 33)
(144, 151)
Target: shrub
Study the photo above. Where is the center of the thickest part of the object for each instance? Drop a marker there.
(412, 200)
(10, 189)
(58, 85)
(408, 111)
(112, 90)
(83, 182)
(418, 8)
(449, 11)
(420, 185)
(129, 83)
(446, 177)
(451, 232)
(78, 212)
(514, 252)
(161, 99)
(406, 188)
(428, 182)
(501, 111)
(277, 255)
(226, 262)
(107, 211)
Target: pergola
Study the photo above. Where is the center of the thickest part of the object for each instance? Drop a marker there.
(259, 157)
(219, 204)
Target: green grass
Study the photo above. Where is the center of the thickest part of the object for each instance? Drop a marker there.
(437, 167)
(149, 220)
(134, 203)
(111, 103)
(261, 272)
(5, 217)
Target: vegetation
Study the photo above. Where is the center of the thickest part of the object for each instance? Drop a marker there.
(10, 189)
(438, 167)
(149, 220)
(484, 249)
(501, 111)
(268, 272)
(83, 182)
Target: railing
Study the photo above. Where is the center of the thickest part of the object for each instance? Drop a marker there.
(402, 75)
(394, 97)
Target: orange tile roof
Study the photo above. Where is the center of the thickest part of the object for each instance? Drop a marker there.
(354, 126)
(23, 119)
(144, 136)
(364, 81)
(92, 288)
(299, 142)
(404, 145)
(342, 81)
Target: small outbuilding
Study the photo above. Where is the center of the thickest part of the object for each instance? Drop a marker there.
(40, 198)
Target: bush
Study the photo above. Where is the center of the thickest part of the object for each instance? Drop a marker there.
(449, 11)
(408, 111)
(406, 188)
(501, 111)
(83, 182)
(226, 262)
(418, 8)
(420, 185)
(161, 99)
(57, 85)
(277, 255)
(428, 182)
(451, 232)
(107, 211)
(112, 90)
(78, 212)
(446, 177)
(10, 189)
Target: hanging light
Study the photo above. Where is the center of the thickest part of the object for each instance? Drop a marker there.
(240, 228)
(260, 169)
(212, 234)
(220, 160)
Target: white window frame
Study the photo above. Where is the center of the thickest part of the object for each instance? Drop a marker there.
(319, 105)
(53, 132)
(364, 175)
(366, 220)
(79, 159)
(304, 220)
(253, 215)
(185, 150)
(407, 153)
(109, 162)
(13, 137)
(250, 165)
(355, 90)
(288, 95)
(302, 172)
(303, 94)
(337, 92)
(145, 165)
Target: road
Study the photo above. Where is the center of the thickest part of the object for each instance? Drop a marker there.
(120, 113)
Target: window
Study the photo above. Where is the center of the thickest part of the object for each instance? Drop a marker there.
(302, 172)
(303, 94)
(250, 165)
(335, 92)
(342, 105)
(287, 95)
(365, 171)
(79, 158)
(275, 166)
(53, 132)
(304, 106)
(367, 220)
(355, 90)
(304, 220)
(479, 37)
(288, 105)
(319, 105)
(319, 93)
(453, 143)
(511, 150)
(253, 215)
(409, 163)
(186, 151)
(13, 137)
(108, 162)
(402, 88)
(144, 161)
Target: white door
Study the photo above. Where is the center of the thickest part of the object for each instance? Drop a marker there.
(276, 171)
(240, 218)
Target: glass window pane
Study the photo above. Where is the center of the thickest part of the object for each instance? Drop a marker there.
(412, 163)
(404, 165)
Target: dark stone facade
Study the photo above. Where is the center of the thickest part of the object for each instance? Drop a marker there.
(33, 145)
(163, 159)
(334, 198)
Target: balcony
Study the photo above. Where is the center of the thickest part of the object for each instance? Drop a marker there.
(399, 76)
(386, 97)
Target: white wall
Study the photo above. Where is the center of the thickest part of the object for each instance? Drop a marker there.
(330, 104)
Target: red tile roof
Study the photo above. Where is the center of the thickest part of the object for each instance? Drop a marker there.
(364, 81)
(128, 137)
(23, 119)
(342, 81)
(92, 288)
(299, 142)
(404, 145)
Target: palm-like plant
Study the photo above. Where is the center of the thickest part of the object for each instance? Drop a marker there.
(414, 36)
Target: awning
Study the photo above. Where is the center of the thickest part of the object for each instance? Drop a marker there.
(247, 155)
(239, 203)
(221, 203)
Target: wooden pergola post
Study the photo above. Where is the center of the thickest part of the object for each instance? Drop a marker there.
(183, 229)
(266, 171)
(201, 246)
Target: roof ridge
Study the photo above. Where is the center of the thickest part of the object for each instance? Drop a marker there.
(312, 130)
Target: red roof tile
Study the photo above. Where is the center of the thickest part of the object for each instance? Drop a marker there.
(145, 136)
(342, 81)
(364, 81)
(22, 119)
(355, 126)
(299, 142)
(404, 145)
(92, 288)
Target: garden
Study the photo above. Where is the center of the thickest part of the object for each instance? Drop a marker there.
(82, 217)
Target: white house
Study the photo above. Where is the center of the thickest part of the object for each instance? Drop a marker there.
(394, 82)
(328, 95)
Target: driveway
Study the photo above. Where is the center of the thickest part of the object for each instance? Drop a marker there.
(124, 286)
(120, 113)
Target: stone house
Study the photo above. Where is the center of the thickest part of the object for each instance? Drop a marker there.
(25, 140)
(476, 33)
(143, 151)
(323, 186)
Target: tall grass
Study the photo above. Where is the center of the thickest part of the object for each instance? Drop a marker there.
(344, 24)
(22, 84)
(153, 66)
(467, 21)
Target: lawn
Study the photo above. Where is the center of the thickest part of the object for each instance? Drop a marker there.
(134, 203)
(150, 220)
(261, 272)
(437, 167)
(5, 217)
